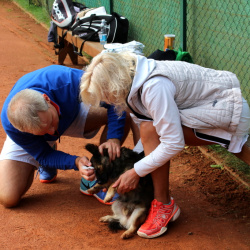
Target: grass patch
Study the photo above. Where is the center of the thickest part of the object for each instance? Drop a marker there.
(40, 13)
(232, 161)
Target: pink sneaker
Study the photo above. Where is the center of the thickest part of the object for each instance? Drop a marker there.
(158, 218)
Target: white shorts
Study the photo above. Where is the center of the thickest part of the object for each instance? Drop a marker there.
(11, 151)
(232, 141)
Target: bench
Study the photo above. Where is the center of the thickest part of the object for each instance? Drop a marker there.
(90, 48)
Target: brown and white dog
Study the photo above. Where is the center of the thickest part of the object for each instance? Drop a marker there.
(130, 209)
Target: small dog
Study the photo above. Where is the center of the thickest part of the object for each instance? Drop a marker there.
(130, 209)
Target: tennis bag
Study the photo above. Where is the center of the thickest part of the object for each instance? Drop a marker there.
(87, 28)
(64, 12)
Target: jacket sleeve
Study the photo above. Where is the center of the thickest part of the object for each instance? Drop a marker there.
(158, 98)
(116, 123)
(38, 148)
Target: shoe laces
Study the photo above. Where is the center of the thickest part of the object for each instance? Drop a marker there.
(152, 211)
(158, 212)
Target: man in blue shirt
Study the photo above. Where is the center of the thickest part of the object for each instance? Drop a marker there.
(42, 106)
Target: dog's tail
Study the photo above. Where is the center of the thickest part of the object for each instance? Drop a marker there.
(115, 225)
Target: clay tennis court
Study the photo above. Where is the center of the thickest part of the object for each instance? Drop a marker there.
(215, 210)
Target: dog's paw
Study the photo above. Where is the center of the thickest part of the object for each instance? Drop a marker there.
(92, 190)
(105, 218)
(109, 196)
(107, 199)
(127, 234)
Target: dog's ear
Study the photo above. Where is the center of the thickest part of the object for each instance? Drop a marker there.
(92, 148)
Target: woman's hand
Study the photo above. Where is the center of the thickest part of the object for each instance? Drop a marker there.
(113, 146)
(127, 182)
(85, 168)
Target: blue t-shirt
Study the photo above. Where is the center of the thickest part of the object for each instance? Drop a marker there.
(61, 85)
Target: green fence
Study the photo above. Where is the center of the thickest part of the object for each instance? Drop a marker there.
(216, 33)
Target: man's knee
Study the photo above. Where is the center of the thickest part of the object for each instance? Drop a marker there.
(15, 179)
(9, 200)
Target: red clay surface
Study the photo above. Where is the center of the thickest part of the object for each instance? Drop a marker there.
(214, 208)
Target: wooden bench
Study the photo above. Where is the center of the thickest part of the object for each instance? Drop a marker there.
(90, 48)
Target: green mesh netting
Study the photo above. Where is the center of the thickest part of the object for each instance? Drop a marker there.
(217, 30)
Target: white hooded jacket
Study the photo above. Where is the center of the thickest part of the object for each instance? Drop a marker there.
(173, 93)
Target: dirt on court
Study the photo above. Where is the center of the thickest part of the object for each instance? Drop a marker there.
(215, 210)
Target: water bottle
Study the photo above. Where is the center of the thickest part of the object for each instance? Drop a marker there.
(103, 32)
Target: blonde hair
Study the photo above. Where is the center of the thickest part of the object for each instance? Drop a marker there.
(108, 78)
(23, 110)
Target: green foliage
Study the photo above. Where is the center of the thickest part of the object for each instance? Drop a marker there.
(37, 11)
(232, 161)
(217, 166)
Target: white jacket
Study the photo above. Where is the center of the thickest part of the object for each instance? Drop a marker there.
(173, 93)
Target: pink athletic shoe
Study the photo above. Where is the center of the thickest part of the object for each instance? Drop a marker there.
(159, 216)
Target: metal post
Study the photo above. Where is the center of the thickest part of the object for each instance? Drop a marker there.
(111, 6)
(184, 25)
(108, 4)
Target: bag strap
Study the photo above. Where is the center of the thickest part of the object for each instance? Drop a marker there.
(60, 45)
(91, 19)
(81, 21)
(80, 6)
(116, 15)
(85, 40)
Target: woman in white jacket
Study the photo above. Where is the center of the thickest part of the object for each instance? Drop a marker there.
(174, 103)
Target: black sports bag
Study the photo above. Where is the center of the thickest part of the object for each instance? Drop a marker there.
(88, 27)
